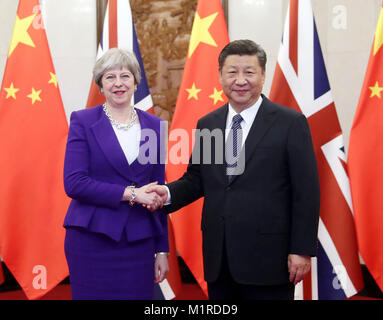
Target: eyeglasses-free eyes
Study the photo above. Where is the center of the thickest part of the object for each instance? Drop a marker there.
(113, 78)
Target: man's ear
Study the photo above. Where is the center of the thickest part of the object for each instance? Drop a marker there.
(220, 76)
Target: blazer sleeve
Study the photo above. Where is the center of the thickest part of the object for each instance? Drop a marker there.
(77, 182)
(305, 189)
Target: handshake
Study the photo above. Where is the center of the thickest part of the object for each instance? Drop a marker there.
(151, 196)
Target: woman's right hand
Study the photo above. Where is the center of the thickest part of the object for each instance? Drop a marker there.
(149, 200)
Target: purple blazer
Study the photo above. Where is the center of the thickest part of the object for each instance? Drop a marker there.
(96, 173)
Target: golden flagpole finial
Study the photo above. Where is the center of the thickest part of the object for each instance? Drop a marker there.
(379, 33)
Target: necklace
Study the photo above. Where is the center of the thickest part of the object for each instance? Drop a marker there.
(118, 125)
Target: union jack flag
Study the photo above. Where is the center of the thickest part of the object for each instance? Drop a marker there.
(118, 31)
(300, 82)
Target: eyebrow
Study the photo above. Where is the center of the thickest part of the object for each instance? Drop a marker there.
(246, 67)
(122, 73)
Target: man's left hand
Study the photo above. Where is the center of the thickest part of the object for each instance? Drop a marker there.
(298, 267)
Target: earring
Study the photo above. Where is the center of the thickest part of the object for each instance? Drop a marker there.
(101, 90)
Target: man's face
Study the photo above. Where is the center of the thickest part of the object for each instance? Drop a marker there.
(242, 80)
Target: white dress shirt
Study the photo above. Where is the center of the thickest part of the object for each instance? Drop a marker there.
(248, 116)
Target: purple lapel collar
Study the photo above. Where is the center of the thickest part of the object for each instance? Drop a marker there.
(108, 142)
(150, 139)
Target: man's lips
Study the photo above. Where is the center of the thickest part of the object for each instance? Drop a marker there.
(241, 91)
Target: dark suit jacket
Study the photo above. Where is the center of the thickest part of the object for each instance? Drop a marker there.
(96, 173)
(264, 214)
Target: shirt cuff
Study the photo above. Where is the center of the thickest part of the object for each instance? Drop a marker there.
(169, 200)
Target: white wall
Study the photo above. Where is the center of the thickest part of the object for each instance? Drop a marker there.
(346, 44)
(7, 17)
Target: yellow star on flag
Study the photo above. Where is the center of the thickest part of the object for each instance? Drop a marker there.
(200, 32)
(11, 91)
(216, 96)
(193, 92)
(20, 33)
(53, 79)
(375, 91)
(35, 95)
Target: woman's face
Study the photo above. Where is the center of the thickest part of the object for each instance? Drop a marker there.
(119, 86)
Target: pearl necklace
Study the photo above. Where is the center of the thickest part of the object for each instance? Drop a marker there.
(118, 125)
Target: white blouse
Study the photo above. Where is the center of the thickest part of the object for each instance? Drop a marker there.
(129, 141)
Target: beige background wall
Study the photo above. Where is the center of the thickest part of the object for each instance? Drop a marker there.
(346, 29)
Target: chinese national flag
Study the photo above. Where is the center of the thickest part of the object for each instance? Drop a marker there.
(200, 93)
(33, 132)
(365, 161)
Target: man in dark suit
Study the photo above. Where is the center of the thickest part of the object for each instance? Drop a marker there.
(261, 207)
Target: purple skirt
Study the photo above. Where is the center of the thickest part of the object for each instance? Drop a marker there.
(103, 269)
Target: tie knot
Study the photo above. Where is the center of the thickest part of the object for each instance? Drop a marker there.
(237, 118)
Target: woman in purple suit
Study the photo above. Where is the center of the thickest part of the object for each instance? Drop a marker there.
(115, 249)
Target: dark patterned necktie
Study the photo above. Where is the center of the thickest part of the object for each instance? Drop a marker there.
(233, 145)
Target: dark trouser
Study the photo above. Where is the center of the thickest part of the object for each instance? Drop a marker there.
(225, 288)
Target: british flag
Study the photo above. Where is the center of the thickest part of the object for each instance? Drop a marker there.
(118, 31)
(300, 82)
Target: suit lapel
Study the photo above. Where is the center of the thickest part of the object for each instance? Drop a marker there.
(220, 123)
(145, 123)
(108, 142)
(264, 119)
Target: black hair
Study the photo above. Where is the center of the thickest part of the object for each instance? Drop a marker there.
(242, 48)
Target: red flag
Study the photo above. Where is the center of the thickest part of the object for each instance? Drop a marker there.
(300, 82)
(119, 32)
(33, 132)
(365, 160)
(200, 93)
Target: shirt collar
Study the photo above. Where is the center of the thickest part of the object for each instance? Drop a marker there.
(248, 114)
